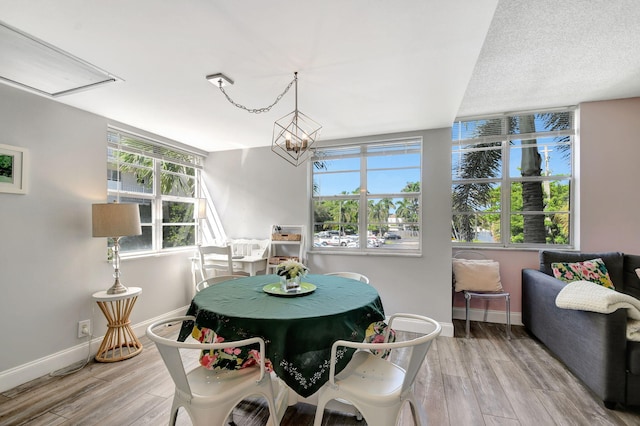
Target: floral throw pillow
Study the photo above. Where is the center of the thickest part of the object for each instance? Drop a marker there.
(593, 270)
(375, 334)
(229, 358)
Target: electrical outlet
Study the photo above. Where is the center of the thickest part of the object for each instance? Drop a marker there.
(84, 328)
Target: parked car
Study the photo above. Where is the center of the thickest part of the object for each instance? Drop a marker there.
(392, 236)
(337, 241)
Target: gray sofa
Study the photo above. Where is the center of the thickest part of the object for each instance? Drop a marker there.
(592, 345)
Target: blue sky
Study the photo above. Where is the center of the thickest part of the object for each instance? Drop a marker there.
(554, 158)
(387, 174)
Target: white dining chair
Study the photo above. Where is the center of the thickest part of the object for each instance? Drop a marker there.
(376, 387)
(352, 275)
(215, 280)
(209, 396)
(222, 266)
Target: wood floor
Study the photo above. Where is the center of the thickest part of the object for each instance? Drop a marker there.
(484, 380)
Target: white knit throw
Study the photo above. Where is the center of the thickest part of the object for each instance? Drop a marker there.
(588, 296)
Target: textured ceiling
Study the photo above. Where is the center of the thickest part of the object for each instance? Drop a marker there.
(548, 53)
(365, 66)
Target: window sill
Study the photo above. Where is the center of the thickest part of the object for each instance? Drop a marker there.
(368, 253)
(512, 248)
(164, 253)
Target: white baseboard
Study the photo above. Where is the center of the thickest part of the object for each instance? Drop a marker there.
(75, 354)
(414, 326)
(498, 317)
(43, 366)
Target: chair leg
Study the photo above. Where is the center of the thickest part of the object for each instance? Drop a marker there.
(467, 299)
(508, 303)
(274, 419)
(418, 412)
(174, 412)
(322, 402)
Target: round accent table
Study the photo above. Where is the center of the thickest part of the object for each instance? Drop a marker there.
(120, 342)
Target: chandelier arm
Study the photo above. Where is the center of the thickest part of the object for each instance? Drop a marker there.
(258, 110)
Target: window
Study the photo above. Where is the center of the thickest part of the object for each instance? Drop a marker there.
(512, 179)
(366, 198)
(163, 180)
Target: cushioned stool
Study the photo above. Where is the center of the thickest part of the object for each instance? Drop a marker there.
(476, 276)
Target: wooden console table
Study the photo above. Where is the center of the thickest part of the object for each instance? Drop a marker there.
(119, 342)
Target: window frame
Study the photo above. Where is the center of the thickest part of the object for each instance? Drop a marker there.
(506, 181)
(414, 145)
(158, 153)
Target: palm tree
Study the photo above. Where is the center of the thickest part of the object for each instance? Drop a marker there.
(472, 197)
(409, 208)
(344, 212)
(141, 167)
(375, 216)
(532, 196)
(382, 208)
(486, 164)
(174, 178)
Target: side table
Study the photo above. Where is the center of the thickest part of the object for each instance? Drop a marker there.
(119, 342)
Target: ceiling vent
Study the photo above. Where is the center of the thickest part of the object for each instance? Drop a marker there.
(32, 64)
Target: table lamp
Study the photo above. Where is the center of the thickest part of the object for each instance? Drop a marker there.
(199, 213)
(116, 220)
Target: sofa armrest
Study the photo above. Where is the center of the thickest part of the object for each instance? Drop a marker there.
(539, 292)
(592, 345)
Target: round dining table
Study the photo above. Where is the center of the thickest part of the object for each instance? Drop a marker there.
(298, 329)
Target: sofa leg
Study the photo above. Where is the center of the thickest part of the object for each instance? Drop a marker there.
(610, 405)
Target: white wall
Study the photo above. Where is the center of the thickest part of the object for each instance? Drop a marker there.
(255, 189)
(49, 263)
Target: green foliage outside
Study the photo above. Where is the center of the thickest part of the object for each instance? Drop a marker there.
(475, 201)
(343, 215)
(556, 225)
(175, 179)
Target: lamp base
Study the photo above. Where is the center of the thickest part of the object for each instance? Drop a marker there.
(117, 288)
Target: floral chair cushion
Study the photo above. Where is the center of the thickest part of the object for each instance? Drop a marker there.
(375, 334)
(229, 358)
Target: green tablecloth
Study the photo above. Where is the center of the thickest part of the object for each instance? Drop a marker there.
(298, 331)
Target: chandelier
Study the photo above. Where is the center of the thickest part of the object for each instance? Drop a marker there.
(293, 135)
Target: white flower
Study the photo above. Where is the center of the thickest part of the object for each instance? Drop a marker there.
(291, 269)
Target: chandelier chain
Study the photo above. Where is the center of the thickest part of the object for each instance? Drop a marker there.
(258, 110)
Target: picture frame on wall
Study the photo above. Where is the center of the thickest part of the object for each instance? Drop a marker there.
(13, 169)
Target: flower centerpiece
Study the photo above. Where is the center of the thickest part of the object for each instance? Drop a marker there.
(291, 272)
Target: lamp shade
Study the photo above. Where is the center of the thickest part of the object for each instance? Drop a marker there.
(200, 208)
(116, 220)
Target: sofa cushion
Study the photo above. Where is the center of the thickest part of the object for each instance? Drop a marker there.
(612, 260)
(633, 357)
(593, 270)
(631, 279)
